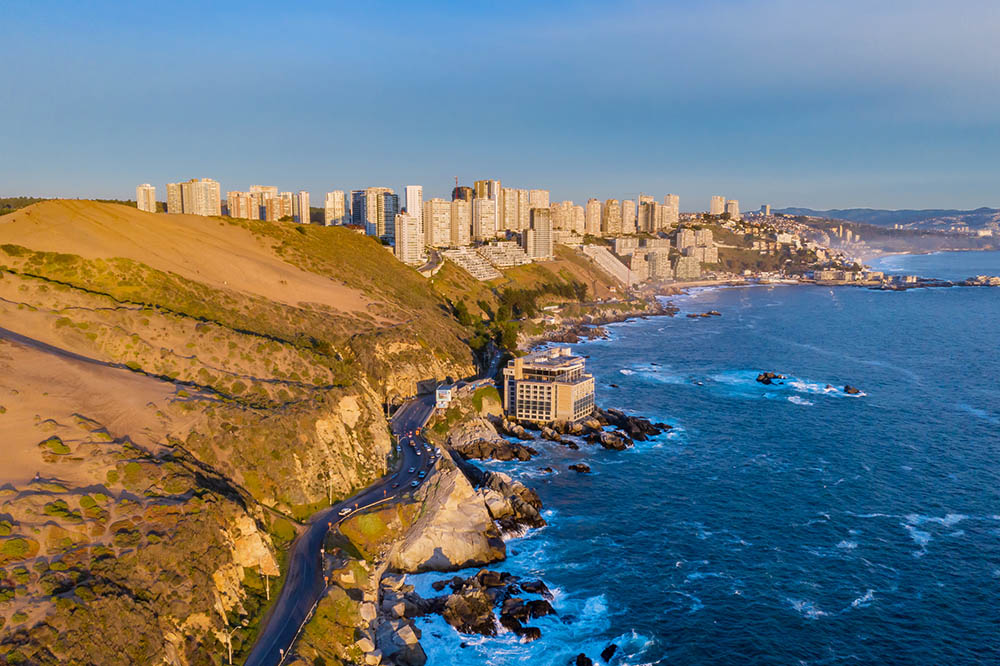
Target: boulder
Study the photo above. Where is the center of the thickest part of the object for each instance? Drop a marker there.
(536, 587)
(539, 608)
(608, 652)
(851, 390)
(471, 613)
(399, 642)
(477, 438)
(551, 435)
(768, 377)
(582, 468)
(454, 530)
(582, 659)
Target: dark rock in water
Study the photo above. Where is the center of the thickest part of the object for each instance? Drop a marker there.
(539, 608)
(536, 587)
(613, 385)
(611, 440)
(531, 634)
(551, 435)
(514, 608)
(851, 390)
(609, 652)
(692, 315)
(828, 386)
(582, 659)
(548, 470)
(571, 444)
(439, 585)
(582, 468)
(769, 377)
(714, 313)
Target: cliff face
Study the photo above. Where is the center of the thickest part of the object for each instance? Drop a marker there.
(165, 382)
(453, 531)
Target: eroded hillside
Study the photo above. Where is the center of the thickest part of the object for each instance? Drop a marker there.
(174, 391)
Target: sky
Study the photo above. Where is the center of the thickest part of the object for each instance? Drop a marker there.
(887, 104)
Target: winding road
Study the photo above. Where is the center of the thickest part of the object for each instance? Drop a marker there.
(304, 584)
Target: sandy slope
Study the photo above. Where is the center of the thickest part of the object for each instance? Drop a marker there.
(198, 248)
(43, 393)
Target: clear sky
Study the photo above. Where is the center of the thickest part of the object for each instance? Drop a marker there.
(820, 103)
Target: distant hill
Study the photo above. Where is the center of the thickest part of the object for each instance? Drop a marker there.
(914, 219)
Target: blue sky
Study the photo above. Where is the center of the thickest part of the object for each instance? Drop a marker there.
(791, 102)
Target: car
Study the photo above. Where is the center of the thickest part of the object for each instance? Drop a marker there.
(422, 474)
(418, 452)
(344, 511)
(395, 485)
(412, 470)
(415, 484)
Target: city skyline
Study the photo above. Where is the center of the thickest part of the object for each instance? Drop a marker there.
(793, 104)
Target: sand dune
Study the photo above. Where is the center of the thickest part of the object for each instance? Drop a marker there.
(204, 249)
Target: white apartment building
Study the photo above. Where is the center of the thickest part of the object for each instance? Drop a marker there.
(592, 217)
(335, 208)
(300, 209)
(461, 222)
(436, 218)
(409, 246)
(611, 218)
(198, 196)
(717, 205)
(628, 217)
(484, 219)
(145, 198)
(733, 208)
(415, 203)
(537, 241)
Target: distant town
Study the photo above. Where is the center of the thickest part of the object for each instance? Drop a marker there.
(486, 227)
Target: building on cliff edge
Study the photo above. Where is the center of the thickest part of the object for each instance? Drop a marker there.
(548, 386)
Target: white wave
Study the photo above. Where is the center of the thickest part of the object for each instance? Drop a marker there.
(626, 371)
(800, 401)
(865, 600)
(847, 544)
(807, 609)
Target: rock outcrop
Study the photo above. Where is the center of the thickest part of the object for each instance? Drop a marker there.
(477, 438)
(769, 378)
(454, 531)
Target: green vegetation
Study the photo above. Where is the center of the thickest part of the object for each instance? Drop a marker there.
(56, 446)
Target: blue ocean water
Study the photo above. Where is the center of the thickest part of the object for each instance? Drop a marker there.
(790, 524)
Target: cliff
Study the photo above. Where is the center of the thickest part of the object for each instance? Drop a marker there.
(174, 392)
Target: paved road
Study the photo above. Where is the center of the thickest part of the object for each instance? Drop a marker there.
(304, 583)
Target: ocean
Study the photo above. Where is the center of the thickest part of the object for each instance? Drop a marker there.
(785, 524)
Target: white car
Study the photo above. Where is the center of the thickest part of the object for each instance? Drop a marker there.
(412, 470)
(344, 511)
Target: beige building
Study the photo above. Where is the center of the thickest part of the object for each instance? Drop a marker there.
(733, 208)
(335, 208)
(489, 189)
(300, 207)
(547, 386)
(537, 241)
(241, 205)
(611, 218)
(484, 219)
(409, 247)
(198, 196)
(628, 217)
(592, 217)
(538, 199)
(145, 198)
(461, 222)
(717, 205)
(437, 222)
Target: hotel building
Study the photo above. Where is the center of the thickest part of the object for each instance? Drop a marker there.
(548, 386)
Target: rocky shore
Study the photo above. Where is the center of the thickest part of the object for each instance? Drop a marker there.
(590, 326)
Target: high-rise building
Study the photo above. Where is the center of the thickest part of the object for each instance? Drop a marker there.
(335, 208)
(484, 219)
(409, 241)
(415, 203)
(579, 220)
(646, 198)
(628, 217)
(463, 192)
(198, 196)
(509, 220)
(241, 205)
(733, 208)
(278, 208)
(685, 238)
(461, 222)
(546, 386)
(765, 210)
(537, 240)
(145, 198)
(489, 189)
(437, 222)
(175, 201)
(611, 218)
(592, 217)
(260, 194)
(538, 199)
(375, 208)
(717, 205)
(302, 211)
